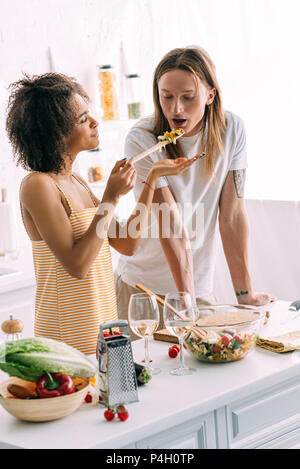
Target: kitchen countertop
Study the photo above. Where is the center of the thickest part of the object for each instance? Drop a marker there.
(167, 400)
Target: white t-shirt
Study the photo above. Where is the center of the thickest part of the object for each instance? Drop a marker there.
(198, 199)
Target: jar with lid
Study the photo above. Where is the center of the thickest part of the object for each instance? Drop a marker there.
(134, 96)
(108, 95)
(95, 169)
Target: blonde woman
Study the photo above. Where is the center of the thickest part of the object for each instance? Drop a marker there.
(186, 95)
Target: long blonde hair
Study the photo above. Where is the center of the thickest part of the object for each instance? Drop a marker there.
(195, 60)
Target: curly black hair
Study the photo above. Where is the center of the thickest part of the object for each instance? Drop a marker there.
(40, 117)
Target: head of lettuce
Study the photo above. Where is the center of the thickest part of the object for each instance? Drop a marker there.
(28, 359)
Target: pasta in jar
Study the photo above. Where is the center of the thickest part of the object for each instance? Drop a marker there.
(108, 97)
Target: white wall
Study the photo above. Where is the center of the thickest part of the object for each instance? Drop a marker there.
(254, 44)
(274, 252)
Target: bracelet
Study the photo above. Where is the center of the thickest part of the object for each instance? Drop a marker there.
(147, 184)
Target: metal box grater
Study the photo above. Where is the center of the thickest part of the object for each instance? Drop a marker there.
(117, 377)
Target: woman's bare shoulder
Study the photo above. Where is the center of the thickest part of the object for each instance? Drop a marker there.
(34, 176)
(34, 185)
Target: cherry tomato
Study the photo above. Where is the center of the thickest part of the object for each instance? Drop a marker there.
(88, 398)
(123, 413)
(109, 414)
(239, 339)
(216, 349)
(173, 352)
(225, 340)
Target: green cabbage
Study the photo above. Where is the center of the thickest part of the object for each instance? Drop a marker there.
(29, 358)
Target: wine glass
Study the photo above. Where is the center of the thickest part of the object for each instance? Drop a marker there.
(143, 316)
(178, 316)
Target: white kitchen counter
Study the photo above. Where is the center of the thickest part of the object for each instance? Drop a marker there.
(211, 408)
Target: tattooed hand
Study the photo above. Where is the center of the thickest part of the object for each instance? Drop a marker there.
(254, 298)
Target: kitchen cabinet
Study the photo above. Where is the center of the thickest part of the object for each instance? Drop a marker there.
(288, 440)
(251, 403)
(267, 419)
(199, 433)
(20, 304)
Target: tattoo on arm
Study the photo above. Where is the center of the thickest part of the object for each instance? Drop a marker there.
(241, 293)
(239, 178)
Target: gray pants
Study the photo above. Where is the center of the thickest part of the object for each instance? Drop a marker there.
(123, 292)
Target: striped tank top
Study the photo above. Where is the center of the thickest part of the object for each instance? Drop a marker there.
(68, 309)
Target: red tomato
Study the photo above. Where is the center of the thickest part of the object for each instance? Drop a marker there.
(88, 398)
(216, 349)
(225, 340)
(173, 352)
(123, 413)
(109, 414)
(239, 339)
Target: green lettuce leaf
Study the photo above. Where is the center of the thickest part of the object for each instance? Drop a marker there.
(30, 358)
(20, 371)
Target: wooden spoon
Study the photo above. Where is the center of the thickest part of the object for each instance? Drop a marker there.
(159, 300)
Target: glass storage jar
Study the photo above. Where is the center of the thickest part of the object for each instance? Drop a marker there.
(107, 90)
(134, 96)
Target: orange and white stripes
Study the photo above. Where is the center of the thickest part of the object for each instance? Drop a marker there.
(69, 309)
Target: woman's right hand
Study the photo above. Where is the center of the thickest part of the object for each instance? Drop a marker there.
(121, 180)
(169, 167)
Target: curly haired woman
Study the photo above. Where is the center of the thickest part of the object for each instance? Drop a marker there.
(48, 124)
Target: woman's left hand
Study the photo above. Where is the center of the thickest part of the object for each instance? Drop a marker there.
(168, 167)
(256, 299)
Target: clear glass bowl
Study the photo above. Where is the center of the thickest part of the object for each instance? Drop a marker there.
(224, 333)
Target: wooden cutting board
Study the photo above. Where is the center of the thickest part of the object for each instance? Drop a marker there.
(165, 336)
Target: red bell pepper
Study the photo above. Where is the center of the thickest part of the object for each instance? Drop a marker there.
(54, 385)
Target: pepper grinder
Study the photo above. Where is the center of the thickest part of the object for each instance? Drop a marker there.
(12, 328)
